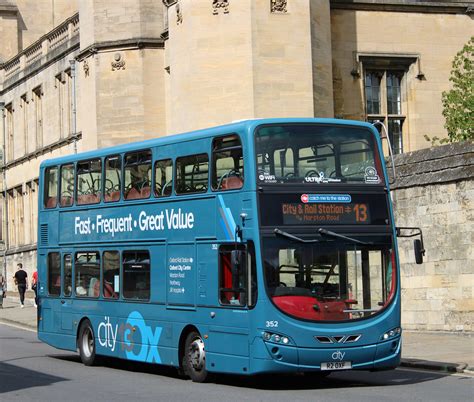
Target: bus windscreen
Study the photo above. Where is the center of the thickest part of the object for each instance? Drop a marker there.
(317, 153)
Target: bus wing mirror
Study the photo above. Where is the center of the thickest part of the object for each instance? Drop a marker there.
(419, 251)
(418, 245)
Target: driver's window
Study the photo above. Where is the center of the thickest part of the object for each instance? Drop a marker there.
(233, 279)
(228, 163)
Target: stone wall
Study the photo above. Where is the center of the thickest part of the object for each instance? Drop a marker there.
(435, 190)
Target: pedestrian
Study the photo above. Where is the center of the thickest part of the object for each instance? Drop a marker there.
(2, 290)
(21, 280)
(34, 286)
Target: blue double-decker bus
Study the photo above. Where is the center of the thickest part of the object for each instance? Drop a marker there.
(259, 246)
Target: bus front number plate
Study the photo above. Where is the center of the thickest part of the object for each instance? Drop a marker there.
(336, 365)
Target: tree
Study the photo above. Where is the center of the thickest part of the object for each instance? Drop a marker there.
(458, 103)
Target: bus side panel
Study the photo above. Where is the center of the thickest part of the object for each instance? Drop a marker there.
(181, 275)
(158, 274)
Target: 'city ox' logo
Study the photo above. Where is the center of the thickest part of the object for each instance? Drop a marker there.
(338, 355)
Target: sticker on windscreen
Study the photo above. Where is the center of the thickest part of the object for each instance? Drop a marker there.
(326, 198)
(266, 177)
(314, 177)
(371, 175)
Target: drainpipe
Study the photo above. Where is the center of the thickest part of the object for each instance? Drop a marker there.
(74, 108)
(5, 198)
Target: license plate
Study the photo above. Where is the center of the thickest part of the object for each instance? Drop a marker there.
(336, 365)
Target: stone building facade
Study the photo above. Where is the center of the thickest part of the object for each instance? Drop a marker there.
(80, 75)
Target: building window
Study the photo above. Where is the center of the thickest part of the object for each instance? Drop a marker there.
(24, 112)
(383, 97)
(11, 218)
(10, 133)
(38, 99)
(20, 216)
(64, 88)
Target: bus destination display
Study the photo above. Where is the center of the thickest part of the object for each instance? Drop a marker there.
(327, 213)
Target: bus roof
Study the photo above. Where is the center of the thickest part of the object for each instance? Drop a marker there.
(236, 126)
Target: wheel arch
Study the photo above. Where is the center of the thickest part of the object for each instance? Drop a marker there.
(182, 340)
(79, 325)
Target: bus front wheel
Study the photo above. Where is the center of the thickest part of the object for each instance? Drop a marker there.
(194, 359)
(86, 343)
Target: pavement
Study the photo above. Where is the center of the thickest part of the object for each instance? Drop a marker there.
(447, 352)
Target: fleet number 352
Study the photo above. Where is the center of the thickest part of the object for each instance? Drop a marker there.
(271, 324)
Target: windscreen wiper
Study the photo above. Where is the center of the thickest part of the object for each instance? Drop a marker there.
(325, 232)
(292, 237)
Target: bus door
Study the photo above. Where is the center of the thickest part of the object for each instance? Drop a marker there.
(223, 286)
(66, 292)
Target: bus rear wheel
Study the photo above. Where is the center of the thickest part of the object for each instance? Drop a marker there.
(86, 343)
(194, 359)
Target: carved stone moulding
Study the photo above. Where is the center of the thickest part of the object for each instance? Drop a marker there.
(85, 66)
(220, 5)
(179, 15)
(278, 6)
(118, 63)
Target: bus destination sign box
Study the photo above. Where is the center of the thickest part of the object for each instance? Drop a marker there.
(298, 214)
(326, 209)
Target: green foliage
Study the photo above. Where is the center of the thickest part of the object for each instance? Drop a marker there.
(458, 103)
(436, 140)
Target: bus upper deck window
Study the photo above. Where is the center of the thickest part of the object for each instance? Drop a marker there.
(113, 178)
(192, 174)
(51, 187)
(137, 181)
(67, 185)
(163, 178)
(89, 177)
(228, 163)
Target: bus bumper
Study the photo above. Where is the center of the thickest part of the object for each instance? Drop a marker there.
(269, 357)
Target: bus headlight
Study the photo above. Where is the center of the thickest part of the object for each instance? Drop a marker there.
(276, 338)
(390, 334)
